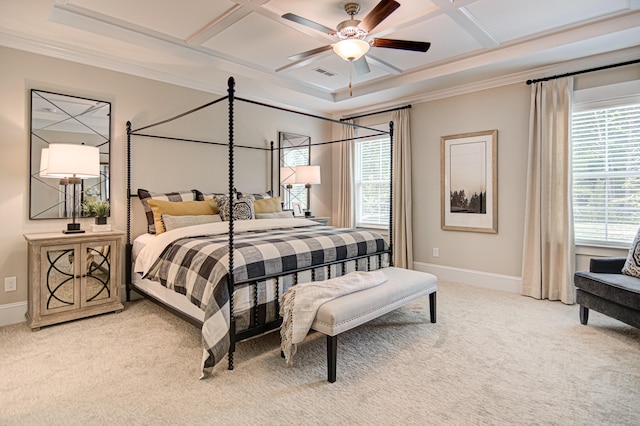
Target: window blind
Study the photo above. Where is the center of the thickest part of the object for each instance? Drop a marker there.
(606, 174)
(372, 179)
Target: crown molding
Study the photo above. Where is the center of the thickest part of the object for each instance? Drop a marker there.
(91, 58)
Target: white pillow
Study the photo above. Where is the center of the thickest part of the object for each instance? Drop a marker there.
(632, 265)
(175, 222)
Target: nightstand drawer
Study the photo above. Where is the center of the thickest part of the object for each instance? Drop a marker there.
(320, 220)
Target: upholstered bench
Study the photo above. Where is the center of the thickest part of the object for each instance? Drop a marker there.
(351, 310)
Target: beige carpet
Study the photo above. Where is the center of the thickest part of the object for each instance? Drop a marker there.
(492, 358)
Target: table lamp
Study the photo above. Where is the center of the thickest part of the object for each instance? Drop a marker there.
(308, 175)
(72, 162)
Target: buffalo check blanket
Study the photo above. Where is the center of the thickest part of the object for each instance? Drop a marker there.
(195, 263)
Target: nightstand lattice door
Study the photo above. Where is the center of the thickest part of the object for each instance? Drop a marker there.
(60, 291)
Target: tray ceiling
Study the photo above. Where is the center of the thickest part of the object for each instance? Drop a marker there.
(199, 43)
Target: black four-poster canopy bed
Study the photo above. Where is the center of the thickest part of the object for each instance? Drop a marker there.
(256, 284)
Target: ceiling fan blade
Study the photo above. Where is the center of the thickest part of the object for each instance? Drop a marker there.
(362, 66)
(310, 53)
(304, 21)
(415, 46)
(378, 14)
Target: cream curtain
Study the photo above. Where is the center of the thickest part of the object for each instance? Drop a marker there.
(402, 221)
(548, 254)
(346, 205)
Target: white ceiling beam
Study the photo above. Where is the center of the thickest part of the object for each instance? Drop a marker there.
(216, 26)
(460, 15)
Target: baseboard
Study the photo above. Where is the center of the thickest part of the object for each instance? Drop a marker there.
(475, 278)
(12, 313)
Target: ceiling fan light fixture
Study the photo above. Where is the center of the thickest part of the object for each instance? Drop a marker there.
(351, 49)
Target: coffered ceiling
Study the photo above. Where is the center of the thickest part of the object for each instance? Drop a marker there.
(200, 43)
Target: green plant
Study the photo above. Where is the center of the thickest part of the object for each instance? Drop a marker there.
(96, 208)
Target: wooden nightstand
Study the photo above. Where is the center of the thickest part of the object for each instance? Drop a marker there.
(320, 220)
(72, 276)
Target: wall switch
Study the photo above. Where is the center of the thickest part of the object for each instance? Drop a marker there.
(10, 284)
(436, 252)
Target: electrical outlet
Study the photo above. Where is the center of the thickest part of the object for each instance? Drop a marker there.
(436, 252)
(10, 284)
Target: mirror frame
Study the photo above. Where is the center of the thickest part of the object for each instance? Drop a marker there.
(61, 118)
(287, 144)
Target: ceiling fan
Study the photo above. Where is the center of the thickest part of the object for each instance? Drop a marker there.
(352, 35)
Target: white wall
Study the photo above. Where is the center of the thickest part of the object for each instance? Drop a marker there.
(507, 110)
(142, 101)
(488, 260)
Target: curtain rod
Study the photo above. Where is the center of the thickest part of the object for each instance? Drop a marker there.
(374, 113)
(569, 74)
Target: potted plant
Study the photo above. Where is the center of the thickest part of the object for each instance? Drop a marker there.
(99, 209)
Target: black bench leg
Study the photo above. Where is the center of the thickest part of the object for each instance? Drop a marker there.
(432, 306)
(332, 357)
(584, 315)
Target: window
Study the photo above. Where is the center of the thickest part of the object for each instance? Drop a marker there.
(372, 180)
(606, 171)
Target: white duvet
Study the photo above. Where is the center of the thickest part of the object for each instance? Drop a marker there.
(151, 251)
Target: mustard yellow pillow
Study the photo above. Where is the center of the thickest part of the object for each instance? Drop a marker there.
(180, 208)
(267, 205)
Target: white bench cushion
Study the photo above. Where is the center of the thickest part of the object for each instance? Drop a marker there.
(351, 310)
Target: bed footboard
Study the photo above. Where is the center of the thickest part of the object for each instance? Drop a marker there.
(260, 322)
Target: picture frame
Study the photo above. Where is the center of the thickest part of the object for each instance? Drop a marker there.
(469, 182)
(297, 209)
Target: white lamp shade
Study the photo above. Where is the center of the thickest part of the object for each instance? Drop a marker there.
(69, 160)
(308, 175)
(287, 175)
(351, 49)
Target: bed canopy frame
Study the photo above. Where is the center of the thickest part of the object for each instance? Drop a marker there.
(255, 329)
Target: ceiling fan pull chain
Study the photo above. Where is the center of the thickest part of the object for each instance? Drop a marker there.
(350, 78)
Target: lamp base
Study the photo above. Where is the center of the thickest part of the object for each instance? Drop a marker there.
(73, 228)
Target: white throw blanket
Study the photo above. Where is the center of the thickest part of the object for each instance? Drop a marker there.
(301, 302)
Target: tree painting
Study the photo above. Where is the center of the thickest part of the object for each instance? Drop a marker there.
(468, 168)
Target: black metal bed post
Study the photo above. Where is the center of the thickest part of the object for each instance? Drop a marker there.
(128, 247)
(271, 168)
(232, 325)
(391, 193)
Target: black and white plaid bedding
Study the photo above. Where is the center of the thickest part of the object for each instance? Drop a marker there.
(197, 266)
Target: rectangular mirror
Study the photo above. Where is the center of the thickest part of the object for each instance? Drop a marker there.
(57, 118)
(294, 151)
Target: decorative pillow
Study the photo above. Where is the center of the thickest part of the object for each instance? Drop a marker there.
(180, 208)
(242, 208)
(258, 196)
(267, 205)
(632, 264)
(175, 222)
(145, 196)
(277, 215)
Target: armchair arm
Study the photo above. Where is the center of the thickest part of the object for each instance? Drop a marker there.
(607, 265)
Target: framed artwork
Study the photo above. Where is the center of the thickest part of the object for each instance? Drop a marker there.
(297, 208)
(469, 182)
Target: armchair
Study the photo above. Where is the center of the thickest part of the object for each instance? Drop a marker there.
(606, 290)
